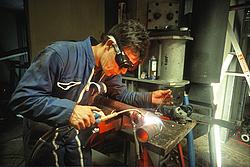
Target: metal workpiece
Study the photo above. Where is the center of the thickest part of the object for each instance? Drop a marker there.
(159, 138)
(151, 126)
(172, 133)
(204, 119)
(147, 123)
(147, 132)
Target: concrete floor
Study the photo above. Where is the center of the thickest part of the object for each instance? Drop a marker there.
(234, 153)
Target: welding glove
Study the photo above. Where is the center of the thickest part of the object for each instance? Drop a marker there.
(83, 116)
(162, 97)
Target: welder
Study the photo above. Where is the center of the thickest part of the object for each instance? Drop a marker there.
(55, 89)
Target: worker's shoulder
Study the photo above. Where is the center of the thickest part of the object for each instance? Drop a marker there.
(64, 46)
(67, 48)
(71, 53)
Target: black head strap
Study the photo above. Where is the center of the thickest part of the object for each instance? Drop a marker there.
(121, 59)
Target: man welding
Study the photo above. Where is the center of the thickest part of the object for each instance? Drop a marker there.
(54, 91)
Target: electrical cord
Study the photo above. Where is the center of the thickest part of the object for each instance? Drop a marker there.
(44, 139)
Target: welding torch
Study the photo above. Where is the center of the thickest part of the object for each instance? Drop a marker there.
(99, 119)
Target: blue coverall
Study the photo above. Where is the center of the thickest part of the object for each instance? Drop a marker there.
(48, 91)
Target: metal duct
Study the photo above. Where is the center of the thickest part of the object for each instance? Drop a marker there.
(148, 124)
(172, 57)
(209, 23)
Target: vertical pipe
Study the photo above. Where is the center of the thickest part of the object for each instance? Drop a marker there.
(211, 143)
(172, 58)
(191, 152)
(190, 139)
(181, 155)
(209, 23)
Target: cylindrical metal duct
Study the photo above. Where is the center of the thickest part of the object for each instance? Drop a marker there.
(148, 127)
(147, 132)
(172, 57)
(152, 125)
(209, 23)
(172, 60)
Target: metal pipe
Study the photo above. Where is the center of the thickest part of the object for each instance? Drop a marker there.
(190, 139)
(149, 124)
(137, 145)
(112, 104)
(181, 155)
(211, 143)
(152, 125)
(207, 16)
(171, 54)
(13, 56)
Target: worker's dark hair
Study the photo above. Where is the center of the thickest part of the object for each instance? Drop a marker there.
(130, 33)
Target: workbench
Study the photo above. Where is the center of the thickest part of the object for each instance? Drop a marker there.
(157, 147)
(160, 145)
(169, 137)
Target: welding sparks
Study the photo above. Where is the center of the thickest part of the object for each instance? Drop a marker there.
(152, 125)
(150, 119)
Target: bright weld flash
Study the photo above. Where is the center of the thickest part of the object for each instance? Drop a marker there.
(152, 125)
(216, 128)
(150, 119)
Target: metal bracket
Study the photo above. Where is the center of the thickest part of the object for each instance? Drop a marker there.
(200, 118)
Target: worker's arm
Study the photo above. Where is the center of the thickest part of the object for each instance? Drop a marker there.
(82, 120)
(162, 97)
(118, 91)
(33, 96)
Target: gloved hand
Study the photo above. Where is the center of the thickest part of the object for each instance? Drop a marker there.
(83, 116)
(162, 97)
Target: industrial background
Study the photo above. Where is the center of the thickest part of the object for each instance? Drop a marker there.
(196, 50)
